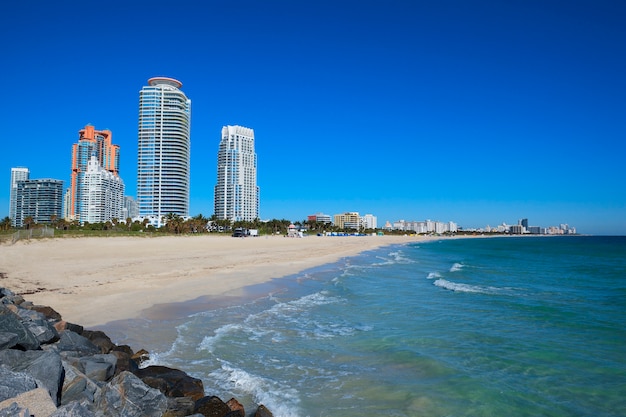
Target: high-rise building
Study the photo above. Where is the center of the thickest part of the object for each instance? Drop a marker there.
(91, 142)
(369, 221)
(163, 168)
(38, 199)
(17, 174)
(130, 207)
(102, 194)
(236, 191)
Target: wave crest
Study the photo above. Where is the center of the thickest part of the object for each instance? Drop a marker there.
(456, 267)
(457, 287)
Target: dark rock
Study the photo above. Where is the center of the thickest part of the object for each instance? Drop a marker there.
(38, 325)
(100, 339)
(262, 411)
(126, 395)
(211, 407)
(179, 406)
(45, 366)
(98, 367)
(124, 348)
(8, 340)
(14, 383)
(64, 325)
(73, 409)
(14, 410)
(172, 382)
(11, 323)
(141, 356)
(236, 408)
(235, 413)
(77, 344)
(48, 312)
(124, 362)
(76, 386)
(9, 297)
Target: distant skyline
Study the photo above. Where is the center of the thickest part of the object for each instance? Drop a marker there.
(477, 112)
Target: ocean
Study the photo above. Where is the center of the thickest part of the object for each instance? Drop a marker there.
(505, 326)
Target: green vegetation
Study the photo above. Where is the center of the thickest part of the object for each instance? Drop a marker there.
(176, 225)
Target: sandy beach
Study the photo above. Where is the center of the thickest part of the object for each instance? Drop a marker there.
(93, 281)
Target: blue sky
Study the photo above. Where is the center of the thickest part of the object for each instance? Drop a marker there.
(478, 112)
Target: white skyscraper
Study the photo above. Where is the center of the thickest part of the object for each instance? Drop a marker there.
(103, 194)
(163, 170)
(17, 174)
(236, 192)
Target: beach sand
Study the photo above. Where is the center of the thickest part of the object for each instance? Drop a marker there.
(94, 281)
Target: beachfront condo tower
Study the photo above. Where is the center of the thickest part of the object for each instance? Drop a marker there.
(38, 201)
(163, 150)
(102, 193)
(236, 192)
(96, 143)
(17, 174)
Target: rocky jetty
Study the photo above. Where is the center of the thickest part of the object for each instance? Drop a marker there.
(52, 368)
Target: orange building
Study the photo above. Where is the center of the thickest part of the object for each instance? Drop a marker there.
(90, 142)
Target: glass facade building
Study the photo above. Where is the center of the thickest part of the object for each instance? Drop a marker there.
(38, 199)
(236, 191)
(17, 174)
(163, 166)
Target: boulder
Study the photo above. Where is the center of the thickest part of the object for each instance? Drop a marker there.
(172, 382)
(9, 297)
(236, 408)
(76, 386)
(45, 366)
(76, 344)
(99, 367)
(37, 402)
(123, 348)
(64, 325)
(11, 323)
(262, 411)
(124, 362)
(141, 356)
(38, 325)
(13, 383)
(100, 339)
(8, 340)
(211, 407)
(48, 312)
(126, 395)
(179, 406)
(73, 409)
(14, 410)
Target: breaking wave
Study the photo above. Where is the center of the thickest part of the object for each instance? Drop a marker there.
(457, 287)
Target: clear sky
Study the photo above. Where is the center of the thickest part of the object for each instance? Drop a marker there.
(478, 112)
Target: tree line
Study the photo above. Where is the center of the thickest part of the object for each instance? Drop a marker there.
(175, 224)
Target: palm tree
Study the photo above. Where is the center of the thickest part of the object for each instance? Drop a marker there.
(28, 222)
(5, 224)
(173, 223)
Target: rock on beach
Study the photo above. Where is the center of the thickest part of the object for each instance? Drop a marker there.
(52, 368)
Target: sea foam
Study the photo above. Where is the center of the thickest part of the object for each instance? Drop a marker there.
(282, 399)
(455, 286)
(456, 267)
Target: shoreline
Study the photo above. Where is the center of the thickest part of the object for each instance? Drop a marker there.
(96, 281)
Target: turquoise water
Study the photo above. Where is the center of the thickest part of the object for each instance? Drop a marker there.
(463, 327)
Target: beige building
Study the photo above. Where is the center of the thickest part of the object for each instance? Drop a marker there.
(349, 220)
